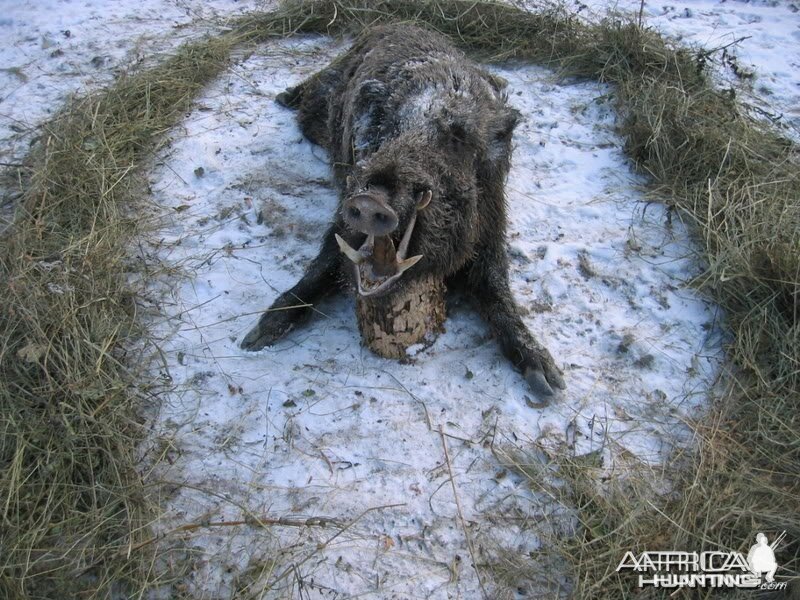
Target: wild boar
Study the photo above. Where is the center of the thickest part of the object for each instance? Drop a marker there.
(420, 139)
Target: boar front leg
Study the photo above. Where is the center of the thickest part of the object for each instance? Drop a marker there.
(489, 282)
(292, 307)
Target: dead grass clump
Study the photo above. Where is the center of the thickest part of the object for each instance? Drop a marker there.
(69, 493)
(70, 496)
(488, 29)
(738, 182)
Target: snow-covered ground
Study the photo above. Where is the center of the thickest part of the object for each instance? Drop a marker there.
(761, 41)
(317, 426)
(53, 48)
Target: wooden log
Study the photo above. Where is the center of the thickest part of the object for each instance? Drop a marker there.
(392, 323)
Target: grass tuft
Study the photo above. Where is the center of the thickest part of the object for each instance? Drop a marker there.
(70, 497)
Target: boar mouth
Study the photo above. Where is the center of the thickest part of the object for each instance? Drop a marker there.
(377, 263)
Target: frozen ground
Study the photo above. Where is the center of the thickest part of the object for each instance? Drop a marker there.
(318, 427)
(761, 40)
(54, 48)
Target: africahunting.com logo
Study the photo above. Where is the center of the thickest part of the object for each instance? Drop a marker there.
(715, 569)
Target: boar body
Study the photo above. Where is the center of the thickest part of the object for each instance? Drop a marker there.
(420, 139)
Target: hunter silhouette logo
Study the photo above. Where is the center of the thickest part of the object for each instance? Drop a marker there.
(710, 569)
(761, 557)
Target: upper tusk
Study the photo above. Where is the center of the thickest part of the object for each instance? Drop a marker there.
(403, 247)
(349, 252)
(425, 200)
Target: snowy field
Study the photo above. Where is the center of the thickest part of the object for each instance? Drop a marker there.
(760, 38)
(383, 456)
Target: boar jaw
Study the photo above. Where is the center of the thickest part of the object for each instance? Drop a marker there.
(377, 264)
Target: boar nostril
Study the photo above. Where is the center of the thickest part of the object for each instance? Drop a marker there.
(369, 214)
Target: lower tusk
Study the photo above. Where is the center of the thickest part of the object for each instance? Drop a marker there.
(349, 252)
(405, 265)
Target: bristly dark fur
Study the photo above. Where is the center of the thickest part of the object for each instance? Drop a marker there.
(404, 110)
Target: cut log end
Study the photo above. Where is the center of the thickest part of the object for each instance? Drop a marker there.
(392, 323)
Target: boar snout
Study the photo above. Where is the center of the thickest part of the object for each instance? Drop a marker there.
(369, 213)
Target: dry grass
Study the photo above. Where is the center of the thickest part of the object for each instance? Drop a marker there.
(71, 499)
(70, 495)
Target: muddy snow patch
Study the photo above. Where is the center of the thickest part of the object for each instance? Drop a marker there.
(317, 464)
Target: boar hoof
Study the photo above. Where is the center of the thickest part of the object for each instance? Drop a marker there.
(539, 383)
(291, 97)
(268, 331)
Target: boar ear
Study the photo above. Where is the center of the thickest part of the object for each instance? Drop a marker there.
(507, 123)
(503, 128)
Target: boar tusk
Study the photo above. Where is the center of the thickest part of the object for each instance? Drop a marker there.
(369, 244)
(425, 200)
(405, 265)
(403, 248)
(349, 252)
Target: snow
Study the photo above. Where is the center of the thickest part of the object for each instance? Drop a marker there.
(53, 48)
(317, 426)
(762, 38)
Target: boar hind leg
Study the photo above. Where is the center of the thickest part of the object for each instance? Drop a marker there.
(295, 305)
(311, 99)
(489, 278)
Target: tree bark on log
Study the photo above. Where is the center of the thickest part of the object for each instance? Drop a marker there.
(392, 323)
